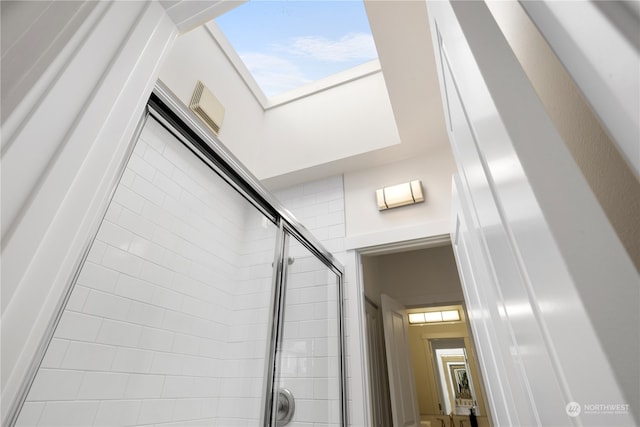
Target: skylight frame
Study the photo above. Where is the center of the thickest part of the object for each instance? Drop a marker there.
(337, 79)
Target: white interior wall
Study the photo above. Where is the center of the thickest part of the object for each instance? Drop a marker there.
(196, 56)
(366, 226)
(415, 278)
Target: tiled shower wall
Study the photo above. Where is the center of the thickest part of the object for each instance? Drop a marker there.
(167, 323)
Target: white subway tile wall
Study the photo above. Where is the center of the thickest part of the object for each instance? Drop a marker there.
(168, 322)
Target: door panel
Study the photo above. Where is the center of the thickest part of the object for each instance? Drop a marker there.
(404, 401)
(533, 246)
(308, 355)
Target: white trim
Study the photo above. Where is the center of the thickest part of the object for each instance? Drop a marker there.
(52, 228)
(428, 230)
(347, 76)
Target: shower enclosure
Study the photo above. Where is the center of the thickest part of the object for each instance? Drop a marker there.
(199, 302)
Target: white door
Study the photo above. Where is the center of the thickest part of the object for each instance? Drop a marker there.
(404, 401)
(551, 293)
(379, 395)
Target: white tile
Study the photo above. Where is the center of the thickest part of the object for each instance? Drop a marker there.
(98, 277)
(69, 414)
(113, 212)
(145, 314)
(168, 185)
(156, 411)
(316, 411)
(210, 387)
(158, 215)
(106, 305)
(336, 231)
(132, 360)
(148, 250)
(78, 326)
(156, 339)
(188, 409)
(88, 356)
(96, 252)
(158, 161)
(167, 239)
(302, 388)
(129, 199)
(325, 388)
(55, 353)
(144, 386)
(114, 235)
(336, 205)
(298, 312)
(134, 288)
(77, 298)
(178, 387)
(167, 363)
(214, 349)
(147, 190)
(136, 224)
(117, 412)
(186, 344)
(179, 322)
(156, 274)
(102, 385)
(196, 366)
(121, 261)
(55, 384)
(30, 414)
(167, 298)
(119, 333)
(153, 134)
(138, 165)
(127, 178)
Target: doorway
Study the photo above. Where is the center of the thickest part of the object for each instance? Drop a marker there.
(439, 356)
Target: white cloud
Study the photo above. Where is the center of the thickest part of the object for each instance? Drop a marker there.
(350, 47)
(274, 74)
(277, 72)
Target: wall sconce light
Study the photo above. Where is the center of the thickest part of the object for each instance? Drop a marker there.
(399, 195)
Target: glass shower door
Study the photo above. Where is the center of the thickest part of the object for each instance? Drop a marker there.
(307, 387)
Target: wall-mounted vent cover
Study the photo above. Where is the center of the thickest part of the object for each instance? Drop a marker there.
(207, 107)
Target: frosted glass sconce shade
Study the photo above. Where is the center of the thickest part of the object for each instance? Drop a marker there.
(404, 194)
(434, 317)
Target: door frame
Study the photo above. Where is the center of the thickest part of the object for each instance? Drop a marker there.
(382, 249)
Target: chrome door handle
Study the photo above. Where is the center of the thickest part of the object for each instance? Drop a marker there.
(285, 407)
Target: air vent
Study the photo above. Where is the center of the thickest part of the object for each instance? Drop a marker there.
(207, 107)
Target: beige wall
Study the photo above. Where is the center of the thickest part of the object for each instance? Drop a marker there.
(420, 277)
(612, 181)
(426, 385)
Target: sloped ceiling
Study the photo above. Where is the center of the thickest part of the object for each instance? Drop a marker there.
(401, 32)
(403, 40)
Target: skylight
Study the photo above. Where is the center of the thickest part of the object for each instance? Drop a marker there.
(289, 44)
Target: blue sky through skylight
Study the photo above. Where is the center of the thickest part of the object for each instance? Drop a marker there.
(287, 44)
